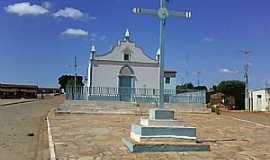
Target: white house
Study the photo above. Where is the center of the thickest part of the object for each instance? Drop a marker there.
(127, 66)
(260, 100)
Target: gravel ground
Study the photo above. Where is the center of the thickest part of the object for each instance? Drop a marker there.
(17, 121)
(257, 117)
(88, 137)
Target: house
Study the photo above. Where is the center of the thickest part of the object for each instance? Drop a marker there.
(259, 100)
(15, 91)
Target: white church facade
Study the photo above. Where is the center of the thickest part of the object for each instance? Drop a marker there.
(125, 68)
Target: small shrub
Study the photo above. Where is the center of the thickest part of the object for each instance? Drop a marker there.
(218, 110)
(213, 108)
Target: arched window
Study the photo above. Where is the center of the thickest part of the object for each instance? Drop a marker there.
(126, 71)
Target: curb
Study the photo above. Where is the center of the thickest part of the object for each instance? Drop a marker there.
(13, 103)
(51, 143)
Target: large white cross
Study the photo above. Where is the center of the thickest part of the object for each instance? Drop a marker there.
(163, 13)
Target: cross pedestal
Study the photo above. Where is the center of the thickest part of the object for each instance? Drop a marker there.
(161, 132)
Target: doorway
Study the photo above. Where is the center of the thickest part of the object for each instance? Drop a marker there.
(126, 83)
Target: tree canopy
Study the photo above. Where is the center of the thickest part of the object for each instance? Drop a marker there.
(69, 81)
(187, 87)
(234, 88)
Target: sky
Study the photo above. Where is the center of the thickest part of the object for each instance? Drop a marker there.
(39, 39)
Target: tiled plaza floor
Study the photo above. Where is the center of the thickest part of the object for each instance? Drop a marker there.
(93, 136)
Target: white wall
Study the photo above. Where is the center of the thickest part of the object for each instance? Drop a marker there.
(107, 76)
(146, 77)
(172, 85)
(260, 104)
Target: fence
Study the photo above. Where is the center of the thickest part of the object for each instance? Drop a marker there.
(138, 95)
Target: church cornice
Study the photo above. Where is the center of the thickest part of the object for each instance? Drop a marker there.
(123, 63)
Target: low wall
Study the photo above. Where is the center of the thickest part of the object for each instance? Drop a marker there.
(181, 107)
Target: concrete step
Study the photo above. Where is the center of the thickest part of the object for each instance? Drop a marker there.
(161, 114)
(134, 146)
(139, 131)
(161, 123)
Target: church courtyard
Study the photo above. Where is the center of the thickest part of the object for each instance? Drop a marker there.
(94, 132)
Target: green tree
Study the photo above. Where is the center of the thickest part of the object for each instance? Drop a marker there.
(184, 88)
(201, 88)
(214, 87)
(69, 81)
(236, 89)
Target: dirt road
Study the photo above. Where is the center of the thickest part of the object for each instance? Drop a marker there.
(17, 121)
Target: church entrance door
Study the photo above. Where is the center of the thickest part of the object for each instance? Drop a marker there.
(125, 88)
(126, 83)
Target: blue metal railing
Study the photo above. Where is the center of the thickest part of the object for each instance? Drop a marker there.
(139, 95)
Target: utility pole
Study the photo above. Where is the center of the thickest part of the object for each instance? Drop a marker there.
(246, 76)
(75, 77)
(162, 13)
(198, 74)
(266, 84)
(186, 68)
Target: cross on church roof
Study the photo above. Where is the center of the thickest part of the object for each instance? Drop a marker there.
(93, 48)
(127, 35)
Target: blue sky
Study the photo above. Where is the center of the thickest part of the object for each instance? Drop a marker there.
(39, 39)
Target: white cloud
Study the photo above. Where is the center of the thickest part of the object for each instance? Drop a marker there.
(95, 37)
(75, 32)
(26, 8)
(69, 13)
(208, 39)
(229, 71)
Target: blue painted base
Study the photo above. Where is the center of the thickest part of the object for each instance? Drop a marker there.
(154, 147)
(161, 114)
(161, 123)
(168, 131)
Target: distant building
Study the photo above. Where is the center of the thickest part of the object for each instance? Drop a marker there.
(222, 100)
(260, 100)
(48, 92)
(14, 91)
(170, 81)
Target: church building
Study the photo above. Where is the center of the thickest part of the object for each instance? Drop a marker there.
(127, 66)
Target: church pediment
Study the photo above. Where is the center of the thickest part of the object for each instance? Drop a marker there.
(126, 51)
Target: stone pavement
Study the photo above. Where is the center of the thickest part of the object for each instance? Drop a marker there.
(94, 136)
(87, 107)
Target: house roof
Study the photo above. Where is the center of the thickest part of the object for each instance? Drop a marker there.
(170, 71)
(18, 86)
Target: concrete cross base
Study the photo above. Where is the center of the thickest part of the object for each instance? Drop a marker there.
(139, 132)
(157, 113)
(162, 133)
(161, 123)
(134, 146)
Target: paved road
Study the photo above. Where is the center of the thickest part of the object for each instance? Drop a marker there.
(16, 121)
